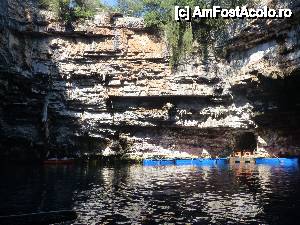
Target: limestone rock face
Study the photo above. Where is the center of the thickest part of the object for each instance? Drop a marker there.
(106, 88)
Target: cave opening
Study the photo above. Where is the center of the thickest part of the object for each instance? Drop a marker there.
(245, 142)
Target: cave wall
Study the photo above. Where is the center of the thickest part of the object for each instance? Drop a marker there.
(106, 88)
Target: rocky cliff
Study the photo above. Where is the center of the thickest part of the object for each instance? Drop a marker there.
(106, 88)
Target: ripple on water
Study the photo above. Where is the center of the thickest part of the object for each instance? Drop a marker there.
(158, 195)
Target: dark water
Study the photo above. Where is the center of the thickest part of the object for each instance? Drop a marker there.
(251, 194)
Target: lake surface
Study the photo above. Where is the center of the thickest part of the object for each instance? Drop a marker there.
(137, 194)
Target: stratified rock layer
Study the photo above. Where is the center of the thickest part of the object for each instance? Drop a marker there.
(106, 88)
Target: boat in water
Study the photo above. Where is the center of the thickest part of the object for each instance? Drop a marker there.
(55, 161)
(220, 161)
(242, 156)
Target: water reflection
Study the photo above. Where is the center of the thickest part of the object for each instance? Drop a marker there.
(219, 194)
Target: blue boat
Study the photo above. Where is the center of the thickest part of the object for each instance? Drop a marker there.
(286, 162)
(183, 162)
(158, 162)
(201, 162)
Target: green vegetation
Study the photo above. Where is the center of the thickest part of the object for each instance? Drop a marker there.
(130, 7)
(181, 36)
(70, 11)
